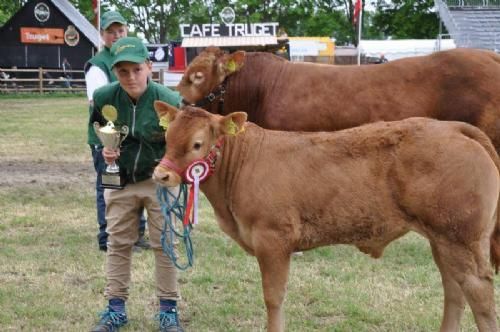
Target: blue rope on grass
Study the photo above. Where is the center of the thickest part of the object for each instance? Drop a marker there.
(175, 206)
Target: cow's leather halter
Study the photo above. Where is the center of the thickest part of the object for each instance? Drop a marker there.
(218, 92)
(202, 168)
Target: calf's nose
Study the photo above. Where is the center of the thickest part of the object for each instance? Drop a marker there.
(161, 175)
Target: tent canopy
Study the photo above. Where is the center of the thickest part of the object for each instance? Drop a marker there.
(229, 41)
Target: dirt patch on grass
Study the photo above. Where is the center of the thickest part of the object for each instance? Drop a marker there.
(19, 173)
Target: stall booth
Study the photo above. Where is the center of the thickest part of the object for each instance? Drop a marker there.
(227, 35)
(231, 37)
(49, 38)
(44, 32)
(312, 49)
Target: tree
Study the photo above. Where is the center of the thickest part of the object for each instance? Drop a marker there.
(297, 17)
(158, 20)
(9, 8)
(335, 17)
(84, 7)
(400, 19)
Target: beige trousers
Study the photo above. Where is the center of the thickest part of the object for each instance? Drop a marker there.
(122, 211)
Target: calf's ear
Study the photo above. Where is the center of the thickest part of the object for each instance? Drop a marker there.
(233, 123)
(166, 113)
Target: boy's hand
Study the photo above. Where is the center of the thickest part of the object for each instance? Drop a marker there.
(110, 155)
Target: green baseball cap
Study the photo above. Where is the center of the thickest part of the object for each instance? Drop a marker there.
(129, 49)
(111, 17)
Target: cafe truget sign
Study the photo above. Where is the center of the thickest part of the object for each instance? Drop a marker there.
(229, 28)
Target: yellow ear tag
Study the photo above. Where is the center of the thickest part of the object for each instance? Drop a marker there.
(164, 121)
(232, 128)
(231, 66)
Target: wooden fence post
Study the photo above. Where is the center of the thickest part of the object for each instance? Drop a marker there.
(40, 80)
(161, 76)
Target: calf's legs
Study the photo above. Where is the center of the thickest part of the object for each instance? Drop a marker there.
(468, 268)
(454, 300)
(274, 268)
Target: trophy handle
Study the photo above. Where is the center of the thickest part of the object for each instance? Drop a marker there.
(123, 133)
(96, 128)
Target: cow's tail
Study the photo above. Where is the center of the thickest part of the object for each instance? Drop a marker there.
(496, 57)
(495, 237)
(495, 244)
(480, 137)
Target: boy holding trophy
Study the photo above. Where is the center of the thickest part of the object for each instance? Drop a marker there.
(97, 74)
(133, 141)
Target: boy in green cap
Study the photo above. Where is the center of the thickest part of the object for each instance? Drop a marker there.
(98, 73)
(133, 97)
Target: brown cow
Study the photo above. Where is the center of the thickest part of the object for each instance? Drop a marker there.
(460, 85)
(279, 192)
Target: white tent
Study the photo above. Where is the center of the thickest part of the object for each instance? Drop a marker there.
(402, 48)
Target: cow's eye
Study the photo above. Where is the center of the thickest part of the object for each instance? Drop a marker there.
(197, 146)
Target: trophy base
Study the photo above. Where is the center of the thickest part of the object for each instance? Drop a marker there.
(112, 181)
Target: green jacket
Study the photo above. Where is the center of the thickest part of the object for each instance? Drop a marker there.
(103, 60)
(145, 144)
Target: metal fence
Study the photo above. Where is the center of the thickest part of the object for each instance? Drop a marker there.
(42, 80)
(473, 3)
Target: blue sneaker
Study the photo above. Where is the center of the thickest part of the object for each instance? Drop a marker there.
(110, 321)
(169, 321)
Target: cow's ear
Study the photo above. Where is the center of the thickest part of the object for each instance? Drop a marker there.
(233, 123)
(166, 113)
(231, 63)
(237, 60)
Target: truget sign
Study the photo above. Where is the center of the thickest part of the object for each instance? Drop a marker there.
(229, 30)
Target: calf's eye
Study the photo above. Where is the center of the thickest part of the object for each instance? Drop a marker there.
(197, 146)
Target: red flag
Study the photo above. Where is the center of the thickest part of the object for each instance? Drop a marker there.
(357, 11)
(95, 8)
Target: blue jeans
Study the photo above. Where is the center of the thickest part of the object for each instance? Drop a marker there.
(100, 166)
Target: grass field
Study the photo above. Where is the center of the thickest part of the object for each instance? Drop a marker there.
(52, 276)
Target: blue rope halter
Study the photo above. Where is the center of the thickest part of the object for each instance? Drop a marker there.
(175, 206)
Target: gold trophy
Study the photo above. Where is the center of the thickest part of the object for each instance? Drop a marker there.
(111, 138)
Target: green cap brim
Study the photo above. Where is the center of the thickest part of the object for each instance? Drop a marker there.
(108, 24)
(129, 58)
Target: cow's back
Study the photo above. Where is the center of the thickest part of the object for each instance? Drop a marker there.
(365, 183)
(460, 85)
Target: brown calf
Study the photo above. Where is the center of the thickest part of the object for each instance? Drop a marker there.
(365, 186)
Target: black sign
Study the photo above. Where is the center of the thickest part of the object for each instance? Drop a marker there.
(229, 30)
(159, 52)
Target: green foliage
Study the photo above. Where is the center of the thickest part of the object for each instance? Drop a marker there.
(9, 8)
(157, 20)
(3, 17)
(85, 7)
(332, 24)
(406, 19)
